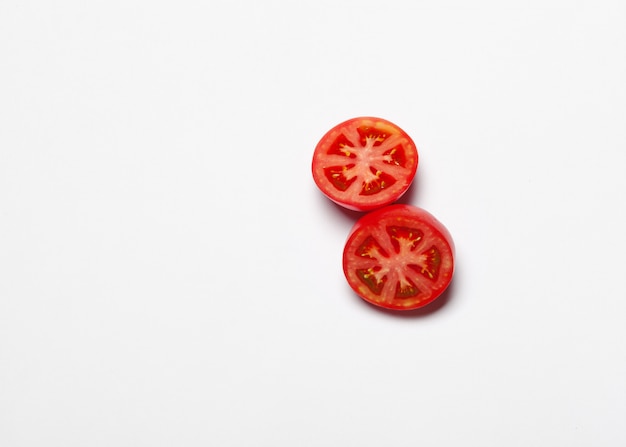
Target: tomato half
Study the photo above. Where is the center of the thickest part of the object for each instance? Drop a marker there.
(364, 163)
(399, 257)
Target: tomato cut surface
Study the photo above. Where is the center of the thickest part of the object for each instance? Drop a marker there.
(364, 163)
(399, 257)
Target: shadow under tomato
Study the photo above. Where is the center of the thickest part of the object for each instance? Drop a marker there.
(410, 197)
(346, 214)
(444, 299)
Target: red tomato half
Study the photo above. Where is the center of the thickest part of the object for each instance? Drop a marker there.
(399, 257)
(364, 163)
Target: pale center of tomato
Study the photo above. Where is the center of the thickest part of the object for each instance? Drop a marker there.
(364, 162)
(404, 268)
(368, 157)
(397, 267)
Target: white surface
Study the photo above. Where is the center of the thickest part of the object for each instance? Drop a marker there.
(169, 274)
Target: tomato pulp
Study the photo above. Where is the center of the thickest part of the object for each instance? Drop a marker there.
(399, 257)
(364, 163)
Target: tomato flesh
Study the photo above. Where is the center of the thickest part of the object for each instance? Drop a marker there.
(364, 163)
(399, 257)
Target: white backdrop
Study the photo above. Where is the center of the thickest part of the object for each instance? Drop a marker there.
(170, 275)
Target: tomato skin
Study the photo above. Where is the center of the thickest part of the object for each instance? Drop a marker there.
(399, 257)
(364, 163)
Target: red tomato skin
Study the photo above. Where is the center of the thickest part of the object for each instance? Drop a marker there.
(406, 213)
(369, 202)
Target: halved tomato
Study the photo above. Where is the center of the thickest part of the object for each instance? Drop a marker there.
(364, 163)
(399, 257)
